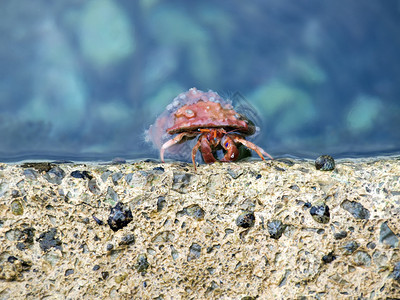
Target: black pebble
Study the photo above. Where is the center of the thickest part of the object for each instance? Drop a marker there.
(246, 219)
(350, 247)
(97, 220)
(328, 258)
(325, 163)
(320, 213)
(276, 229)
(48, 240)
(161, 202)
(340, 235)
(142, 264)
(11, 259)
(21, 246)
(159, 169)
(120, 216)
(96, 267)
(396, 272)
(127, 239)
(355, 208)
(81, 174)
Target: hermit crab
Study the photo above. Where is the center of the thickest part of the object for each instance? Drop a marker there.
(209, 117)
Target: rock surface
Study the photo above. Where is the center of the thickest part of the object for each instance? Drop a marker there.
(184, 240)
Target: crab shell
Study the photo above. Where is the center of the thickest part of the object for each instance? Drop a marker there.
(208, 114)
(194, 110)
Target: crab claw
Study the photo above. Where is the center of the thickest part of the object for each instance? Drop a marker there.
(232, 152)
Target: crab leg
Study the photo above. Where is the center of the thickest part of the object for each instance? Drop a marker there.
(206, 151)
(251, 146)
(194, 151)
(175, 140)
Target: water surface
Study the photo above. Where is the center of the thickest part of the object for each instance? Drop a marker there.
(83, 80)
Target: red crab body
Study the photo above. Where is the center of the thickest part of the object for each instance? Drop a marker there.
(212, 119)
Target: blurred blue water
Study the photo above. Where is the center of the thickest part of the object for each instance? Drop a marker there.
(82, 80)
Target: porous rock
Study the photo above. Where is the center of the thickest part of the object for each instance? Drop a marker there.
(183, 240)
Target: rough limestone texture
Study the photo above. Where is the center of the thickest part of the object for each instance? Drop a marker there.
(251, 230)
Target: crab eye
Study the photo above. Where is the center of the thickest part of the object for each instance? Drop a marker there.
(226, 145)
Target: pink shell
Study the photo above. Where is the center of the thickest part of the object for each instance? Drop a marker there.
(167, 124)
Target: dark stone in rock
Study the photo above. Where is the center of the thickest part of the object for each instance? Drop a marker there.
(120, 216)
(105, 175)
(97, 220)
(55, 175)
(21, 246)
(174, 253)
(355, 209)
(28, 235)
(127, 239)
(387, 236)
(362, 258)
(115, 177)
(396, 272)
(158, 170)
(93, 187)
(109, 247)
(30, 173)
(128, 178)
(81, 174)
(142, 264)
(320, 213)
(139, 178)
(194, 252)
(39, 166)
(350, 247)
(246, 219)
(340, 235)
(235, 173)
(279, 169)
(69, 272)
(11, 259)
(295, 187)
(286, 161)
(328, 258)
(48, 240)
(17, 208)
(371, 245)
(150, 160)
(111, 194)
(325, 163)
(276, 228)
(180, 182)
(15, 194)
(194, 211)
(161, 202)
(258, 176)
(104, 275)
(96, 267)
